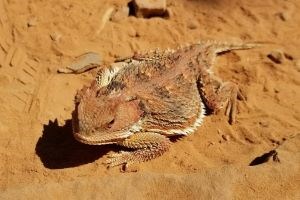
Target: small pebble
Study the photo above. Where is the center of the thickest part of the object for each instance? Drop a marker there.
(281, 16)
(192, 24)
(288, 56)
(149, 8)
(276, 57)
(82, 63)
(226, 137)
(264, 124)
(32, 22)
(55, 36)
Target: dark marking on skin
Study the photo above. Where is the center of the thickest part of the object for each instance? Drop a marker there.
(162, 91)
(190, 64)
(199, 59)
(142, 107)
(159, 66)
(143, 76)
(180, 78)
(102, 91)
(111, 70)
(173, 58)
(116, 85)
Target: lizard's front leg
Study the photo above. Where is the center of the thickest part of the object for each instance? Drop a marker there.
(217, 94)
(145, 145)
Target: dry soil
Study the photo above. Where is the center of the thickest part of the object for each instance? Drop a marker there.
(39, 159)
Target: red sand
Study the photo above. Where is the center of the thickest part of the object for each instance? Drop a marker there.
(40, 159)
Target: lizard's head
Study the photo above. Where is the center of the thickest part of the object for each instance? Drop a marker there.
(103, 117)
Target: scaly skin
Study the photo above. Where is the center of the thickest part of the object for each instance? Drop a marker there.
(139, 104)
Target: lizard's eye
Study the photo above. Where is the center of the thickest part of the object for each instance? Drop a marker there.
(109, 125)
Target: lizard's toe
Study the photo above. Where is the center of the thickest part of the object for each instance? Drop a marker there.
(116, 159)
(231, 112)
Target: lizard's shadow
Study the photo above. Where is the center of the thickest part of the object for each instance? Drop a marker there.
(58, 149)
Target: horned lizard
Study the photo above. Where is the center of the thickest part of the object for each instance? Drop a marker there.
(142, 102)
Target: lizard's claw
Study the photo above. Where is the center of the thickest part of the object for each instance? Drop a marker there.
(116, 159)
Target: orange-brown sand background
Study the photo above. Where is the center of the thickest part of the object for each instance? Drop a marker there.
(39, 159)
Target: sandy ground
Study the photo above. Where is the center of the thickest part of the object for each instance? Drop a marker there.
(39, 157)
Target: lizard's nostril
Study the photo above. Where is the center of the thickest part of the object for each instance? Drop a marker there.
(109, 125)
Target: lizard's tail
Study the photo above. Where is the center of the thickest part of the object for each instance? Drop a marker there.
(220, 47)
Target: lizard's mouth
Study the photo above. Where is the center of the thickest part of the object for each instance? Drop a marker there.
(106, 137)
